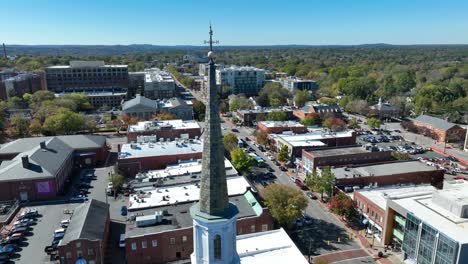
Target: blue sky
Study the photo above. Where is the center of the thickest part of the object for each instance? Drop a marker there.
(235, 22)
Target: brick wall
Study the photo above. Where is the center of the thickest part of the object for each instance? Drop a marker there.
(165, 251)
(373, 211)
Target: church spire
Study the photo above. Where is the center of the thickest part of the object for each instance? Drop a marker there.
(213, 190)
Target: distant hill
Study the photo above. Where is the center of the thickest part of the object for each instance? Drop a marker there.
(109, 50)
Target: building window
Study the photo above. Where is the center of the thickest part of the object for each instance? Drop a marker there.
(264, 228)
(78, 244)
(68, 254)
(90, 251)
(154, 243)
(217, 247)
(134, 246)
(79, 253)
(172, 241)
(252, 228)
(144, 244)
(184, 239)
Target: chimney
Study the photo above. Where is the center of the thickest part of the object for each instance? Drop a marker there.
(43, 145)
(25, 160)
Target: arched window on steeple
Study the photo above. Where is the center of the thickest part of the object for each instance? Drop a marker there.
(217, 247)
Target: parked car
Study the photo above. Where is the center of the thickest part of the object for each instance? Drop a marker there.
(79, 198)
(293, 179)
(311, 195)
(18, 229)
(301, 185)
(307, 219)
(123, 210)
(65, 223)
(8, 249)
(59, 233)
(29, 213)
(14, 238)
(282, 168)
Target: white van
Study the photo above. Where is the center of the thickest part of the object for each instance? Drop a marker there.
(122, 241)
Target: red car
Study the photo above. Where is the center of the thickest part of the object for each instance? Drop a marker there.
(300, 184)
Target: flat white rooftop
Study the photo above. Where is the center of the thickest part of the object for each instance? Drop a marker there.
(438, 216)
(184, 168)
(165, 148)
(281, 124)
(310, 139)
(379, 196)
(169, 195)
(268, 247)
(167, 124)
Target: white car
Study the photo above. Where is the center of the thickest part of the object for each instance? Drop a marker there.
(79, 198)
(293, 179)
(59, 233)
(65, 223)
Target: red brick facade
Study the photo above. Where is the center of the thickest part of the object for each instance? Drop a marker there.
(177, 244)
(131, 166)
(453, 134)
(90, 250)
(367, 207)
(345, 159)
(163, 133)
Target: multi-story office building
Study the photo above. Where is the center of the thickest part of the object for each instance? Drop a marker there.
(21, 83)
(89, 77)
(159, 85)
(136, 83)
(246, 80)
(293, 84)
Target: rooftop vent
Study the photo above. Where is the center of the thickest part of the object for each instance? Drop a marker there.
(25, 161)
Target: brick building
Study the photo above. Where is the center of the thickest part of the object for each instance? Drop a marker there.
(153, 155)
(436, 128)
(20, 84)
(87, 234)
(324, 111)
(406, 172)
(172, 238)
(341, 156)
(296, 143)
(167, 129)
(37, 168)
(278, 127)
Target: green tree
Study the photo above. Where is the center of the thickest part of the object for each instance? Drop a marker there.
(239, 102)
(301, 98)
(39, 97)
(230, 142)
(285, 203)
(240, 160)
(277, 116)
(283, 154)
(353, 123)
(263, 99)
(35, 127)
(373, 123)
(20, 125)
(117, 181)
(63, 122)
(343, 205)
(199, 110)
(308, 121)
(323, 183)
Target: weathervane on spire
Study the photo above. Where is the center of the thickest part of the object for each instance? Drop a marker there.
(211, 41)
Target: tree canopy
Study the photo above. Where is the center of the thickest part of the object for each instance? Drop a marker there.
(230, 142)
(240, 160)
(285, 203)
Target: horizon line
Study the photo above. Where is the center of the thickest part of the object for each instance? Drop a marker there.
(246, 45)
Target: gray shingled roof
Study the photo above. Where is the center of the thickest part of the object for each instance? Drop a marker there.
(74, 141)
(140, 101)
(435, 122)
(43, 163)
(88, 222)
